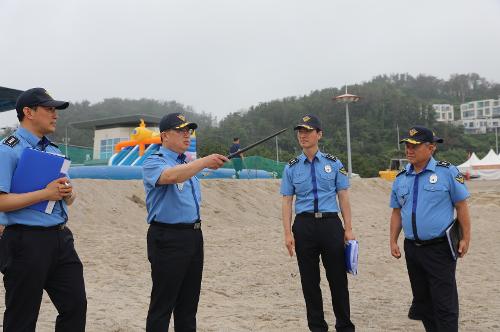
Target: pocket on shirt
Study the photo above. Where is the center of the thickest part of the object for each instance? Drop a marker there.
(436, 190)
(300, 183)
(327, 180)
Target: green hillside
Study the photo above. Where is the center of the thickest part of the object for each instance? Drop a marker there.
(386, 102)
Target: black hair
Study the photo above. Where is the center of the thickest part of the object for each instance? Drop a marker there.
(235, 139)
(20, 115)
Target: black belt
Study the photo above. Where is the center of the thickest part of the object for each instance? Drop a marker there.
(319, 215)
(421, 243)
(195, 225)
(57, 227)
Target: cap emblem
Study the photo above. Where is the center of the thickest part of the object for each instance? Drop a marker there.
(413, 132)
(306, 118)
(182, 117)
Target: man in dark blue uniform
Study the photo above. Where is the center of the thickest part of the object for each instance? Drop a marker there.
(316, 179)
(36, 249)
(424, 197)
(238, 159)
(175, 240)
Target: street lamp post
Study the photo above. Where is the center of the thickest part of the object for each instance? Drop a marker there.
(66, 139)
(496, 137)
(347, 99)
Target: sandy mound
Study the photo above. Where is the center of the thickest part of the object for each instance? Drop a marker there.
(249, 283)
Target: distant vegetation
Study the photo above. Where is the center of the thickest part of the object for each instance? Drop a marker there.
(386, 102)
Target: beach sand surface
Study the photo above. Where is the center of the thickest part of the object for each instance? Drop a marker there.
(249, 281)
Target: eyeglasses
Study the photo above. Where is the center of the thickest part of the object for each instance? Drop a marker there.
(184, 131)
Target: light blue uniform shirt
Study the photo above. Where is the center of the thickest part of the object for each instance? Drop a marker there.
(315, 184)
(170, 203)
(431, 195)
(8, 162)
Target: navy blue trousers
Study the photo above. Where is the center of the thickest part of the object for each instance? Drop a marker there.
(176, 257)
(431, 270)
(325, 238)
(33, 260)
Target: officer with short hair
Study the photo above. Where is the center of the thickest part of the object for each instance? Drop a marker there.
(424, 197)
(36, 250)
(174, 239)
(316, 179)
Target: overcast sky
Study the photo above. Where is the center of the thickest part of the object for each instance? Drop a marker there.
(220, 56)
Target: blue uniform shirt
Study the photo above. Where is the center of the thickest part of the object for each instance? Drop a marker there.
(315, 183)
(8, 162)
(170, 203)
(431, 195)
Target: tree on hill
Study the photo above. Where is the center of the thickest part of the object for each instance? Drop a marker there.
(387, 102)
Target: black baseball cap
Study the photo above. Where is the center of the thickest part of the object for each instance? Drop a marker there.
(175, 121)
(419, 135)
(310, 122)
(38, 97)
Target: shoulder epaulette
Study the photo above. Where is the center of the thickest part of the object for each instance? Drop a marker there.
(53, 144)
(403, 171)
(329, 156)
(443, 163)
(157, 154)
(11, 141)
(293, 161)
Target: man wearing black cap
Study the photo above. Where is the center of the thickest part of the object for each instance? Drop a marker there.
(317, 179)
(36, 249)
(424, 198)
(175, 240)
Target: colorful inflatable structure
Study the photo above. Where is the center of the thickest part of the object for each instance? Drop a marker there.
(126, 162)
(143, 142)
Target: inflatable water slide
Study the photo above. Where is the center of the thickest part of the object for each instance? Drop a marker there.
(126, 162)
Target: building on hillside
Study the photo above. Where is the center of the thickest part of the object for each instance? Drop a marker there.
(109, 131)
(444, 113)
(480, 116)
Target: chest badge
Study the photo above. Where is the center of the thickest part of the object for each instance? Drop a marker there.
(180, 186)
(328, 168)
(433, 178)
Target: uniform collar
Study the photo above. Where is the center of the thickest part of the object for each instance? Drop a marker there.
(31, 138)
(171, 154)
(431, 166)
(303, 157)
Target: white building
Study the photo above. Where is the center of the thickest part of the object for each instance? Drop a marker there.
(444, 112)
(109, 131)
(480, 116)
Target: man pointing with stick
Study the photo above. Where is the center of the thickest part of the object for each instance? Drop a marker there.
(175, 239)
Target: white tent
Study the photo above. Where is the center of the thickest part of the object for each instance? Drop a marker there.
(490, 159)
(467, 166)
(488, 168)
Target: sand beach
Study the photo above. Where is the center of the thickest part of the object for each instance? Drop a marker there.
(249, 282)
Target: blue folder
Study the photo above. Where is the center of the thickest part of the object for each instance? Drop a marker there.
(351, 256)
(35, 170)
